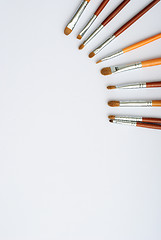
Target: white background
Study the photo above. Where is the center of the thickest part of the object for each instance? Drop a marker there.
(65, 172)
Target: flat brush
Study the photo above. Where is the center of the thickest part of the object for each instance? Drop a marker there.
(71, 25)
(137, 124)
(104, 23)
(132, 47)
(91, 21)
(123, 68)
(124, 27)
(150, 103)
(136, 85)
(136, 119)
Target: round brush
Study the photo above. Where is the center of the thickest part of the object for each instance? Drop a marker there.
(136, 85)
(136, 119)
(151, 103)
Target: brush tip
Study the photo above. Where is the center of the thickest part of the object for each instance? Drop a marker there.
(106, 71)
(81, 46)
(114, 103)
(79, 37)
(111, 121)
(67, 31)
(99, 61)
(111, 117)
(111, 87)
(91, 55)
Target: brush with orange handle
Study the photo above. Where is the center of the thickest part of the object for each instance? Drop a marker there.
(132, 47)
(139, 85)
(71, 25)
(93, 18)
(122, 68)
(137, 103)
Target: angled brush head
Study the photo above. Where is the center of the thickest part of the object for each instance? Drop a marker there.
(67, 31)
(111, 87)
(111, 117)
(114, 103)
(81, 46)
(91, 55)
(79, 37)
(106, 71)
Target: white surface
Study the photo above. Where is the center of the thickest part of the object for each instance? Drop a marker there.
(65, 172)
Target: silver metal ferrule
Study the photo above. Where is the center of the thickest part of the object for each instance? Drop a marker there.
(123, 122)
(93, 34)
(135, 103)
(128, 118)
(77, 15)
(88, 25)
(97, 50)
(132, 86)
(112, 56)
(123, 68)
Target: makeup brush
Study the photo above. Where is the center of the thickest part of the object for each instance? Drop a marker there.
(122, 68)
(132, 47)
(136, 119)
(104, 23)
(91, 21)
(137, 124)
(136, 85)
(151, 103)
(71, 25)
(124, 27)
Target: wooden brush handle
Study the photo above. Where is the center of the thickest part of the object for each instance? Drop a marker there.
(148, 125)
(101, 7)
(115, 12)
(152, 120)
(156, 103)
(153, 84)
(152, 62)
(88, 0)
(142, 43)
(135, 18)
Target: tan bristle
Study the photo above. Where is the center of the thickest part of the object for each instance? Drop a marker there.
(106, 71)
(114, 103)
(81, 46)
(79, 37)
(99, 61)
(91, 55)
(67, 31)
(111, 87)
(111, 117)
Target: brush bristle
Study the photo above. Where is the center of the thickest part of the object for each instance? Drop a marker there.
(67, 31)
(106, 71)
(111, 121)
(111, 87)
(81, 46)
(114, 103)
(79, 37)
(111, 117)
(91, 55)
(99, 61)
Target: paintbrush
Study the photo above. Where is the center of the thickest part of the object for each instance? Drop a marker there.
(71, 25)
(136, 103)
(136, 85)
(124, 27)
(131, 47)
(136, 119)
(137, 124)
(138, 65)
(92, 20)
(104, 23)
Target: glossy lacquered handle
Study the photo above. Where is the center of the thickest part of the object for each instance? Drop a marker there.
(135, 18)
(115, 12)
(156, 103)
(142, 43)
(152, 120)
(153, 84)
(87, 0)
(152, 62)
(148, 125)
(101, 7)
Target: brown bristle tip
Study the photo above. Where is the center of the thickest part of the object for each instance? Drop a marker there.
(81, 46)
(111, 117)
(67, 31)
(98, 61)
(114, 103)
(91, 55)
(111, 87)
(79, 37)
(111, 121)
(106, 71)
